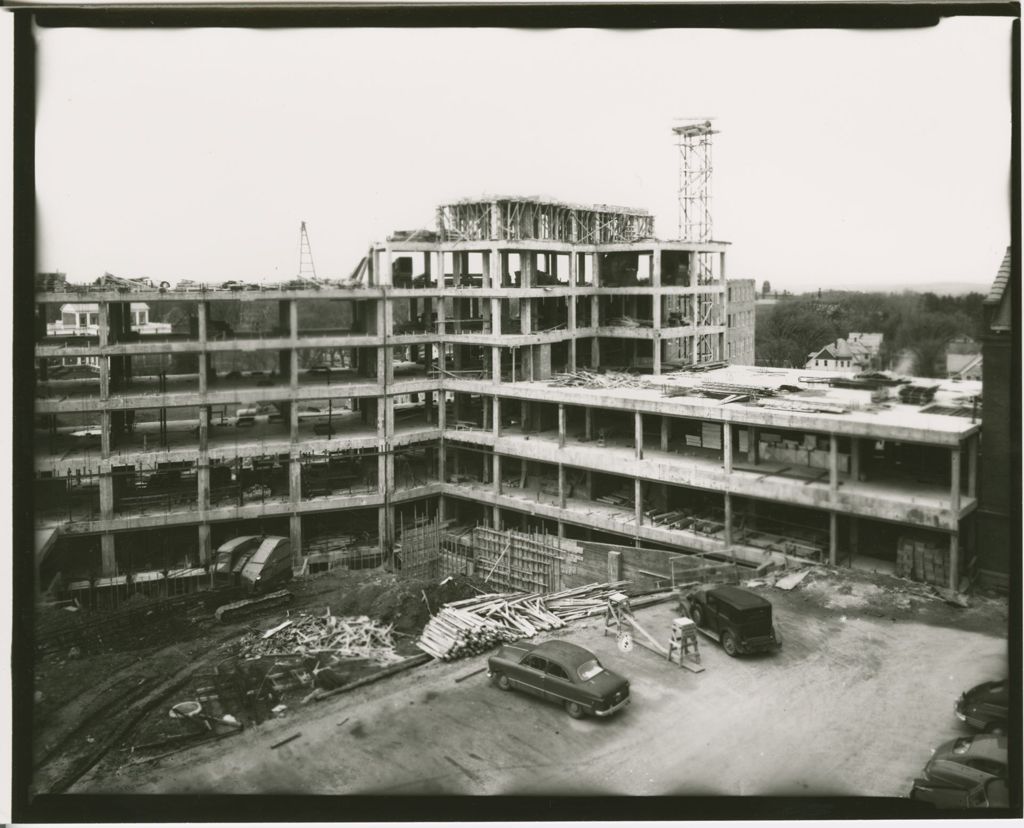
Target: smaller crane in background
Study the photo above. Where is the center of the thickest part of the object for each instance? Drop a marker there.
(306, 268)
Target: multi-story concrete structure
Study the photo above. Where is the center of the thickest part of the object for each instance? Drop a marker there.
(432, 384)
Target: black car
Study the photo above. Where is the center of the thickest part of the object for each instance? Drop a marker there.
(737, 618)
(984, 753)
(962, 788)
(560, 672)
(985, 707)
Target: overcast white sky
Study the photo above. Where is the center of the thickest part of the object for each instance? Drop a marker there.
(845, 157)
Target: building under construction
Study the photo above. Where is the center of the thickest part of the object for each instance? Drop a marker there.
(525, 365)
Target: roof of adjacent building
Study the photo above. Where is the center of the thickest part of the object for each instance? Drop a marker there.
(94, 307)
(995, 295)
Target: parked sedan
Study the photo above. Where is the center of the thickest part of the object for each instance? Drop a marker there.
(984, 754)
(985, 707)
(961, 788)
(560, 672)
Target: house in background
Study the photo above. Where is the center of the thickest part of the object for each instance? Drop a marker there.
(859, 352)
(83, 319)
(963, 358)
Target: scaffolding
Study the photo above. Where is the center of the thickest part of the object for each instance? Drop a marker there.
(515, 219)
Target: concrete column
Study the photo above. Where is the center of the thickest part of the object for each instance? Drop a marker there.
(855, 458)
(561, 425)
(571, 321)
(496, 517)
(954, 488)
(595, 261)
(106, 492)
(666, 425)
(295, 534)
(496, 416)
(638, 435)
(972, 466)
(954, 560)
(382, 527)
(105, 446)
(588, 423)
(294, 479)
(561, 486)
(614, 566)
(442, 509)
(204, 429)
(108, 556)
(293, 421)
(442, 410)
(752, 451)
(656, 267)
(525, 316)
(442, 311)
(442, 473)
(495, 364)
(104, 365)
(496, 472)
(854, 536)
(656, 342)
(832, 538)
(638, 502)
(104, 328)
(203, 484)
(728, 519)
(383, 266)
(727, 450)
(205, 544)
(524, 415)
(833, 466)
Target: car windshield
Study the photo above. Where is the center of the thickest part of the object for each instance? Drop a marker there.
(589, 669)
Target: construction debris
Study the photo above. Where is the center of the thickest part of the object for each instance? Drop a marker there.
(476, 624)
(593, 379)
(324, 635)
(790, 581)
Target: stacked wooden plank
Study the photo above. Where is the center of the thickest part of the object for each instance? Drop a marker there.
(593, 379)
(805, 405)
(581, 602)
(474, 625)
(315, 635)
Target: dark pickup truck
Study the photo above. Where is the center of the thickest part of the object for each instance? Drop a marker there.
(740, 620)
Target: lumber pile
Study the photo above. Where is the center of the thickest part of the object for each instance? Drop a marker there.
(317, 635)
(593, 379)
(582, 602)
(474, 625)
(631, 322)
(807, 405)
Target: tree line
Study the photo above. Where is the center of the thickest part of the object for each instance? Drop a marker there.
(918, 324)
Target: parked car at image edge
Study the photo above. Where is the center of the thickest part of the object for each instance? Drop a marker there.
(985, 706)
(968, 772)
(563, 673)
(740, 620)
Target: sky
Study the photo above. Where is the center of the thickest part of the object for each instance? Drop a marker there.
(843, 157)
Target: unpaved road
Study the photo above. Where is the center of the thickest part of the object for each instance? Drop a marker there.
(851, 706)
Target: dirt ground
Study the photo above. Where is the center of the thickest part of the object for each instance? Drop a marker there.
(83, 693)
(870, 668)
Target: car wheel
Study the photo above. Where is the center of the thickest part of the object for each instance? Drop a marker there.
(502, 681)
(697, 615)
(574, 710)
(996, 728)
(729, 643)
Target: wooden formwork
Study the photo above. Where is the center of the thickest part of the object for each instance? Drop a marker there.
(419, 548)
(517, 561)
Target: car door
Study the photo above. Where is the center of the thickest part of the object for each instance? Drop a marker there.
(711, 620)
(534, 670)
(558, 686)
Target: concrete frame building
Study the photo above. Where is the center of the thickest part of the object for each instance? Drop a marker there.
(432, 383)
